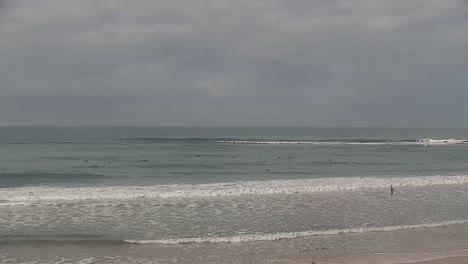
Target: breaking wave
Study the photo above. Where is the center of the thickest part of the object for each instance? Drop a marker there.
(451, 141)
(288, 235)
(424, 142)
(43, 193)
(89, 239)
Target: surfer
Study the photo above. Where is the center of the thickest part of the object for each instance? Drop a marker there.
(391, 190)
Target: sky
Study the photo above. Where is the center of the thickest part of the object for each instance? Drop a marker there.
(377, 63)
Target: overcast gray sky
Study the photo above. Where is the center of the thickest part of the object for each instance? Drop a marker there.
(234, 62)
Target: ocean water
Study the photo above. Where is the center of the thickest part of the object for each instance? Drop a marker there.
(195, 185)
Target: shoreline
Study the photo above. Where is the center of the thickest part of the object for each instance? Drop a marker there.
(446, 257)
(448, 260)
(434, 245)
(292, 235)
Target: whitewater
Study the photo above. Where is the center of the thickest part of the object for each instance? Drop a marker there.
(423, 142)
(35, 194)
(225, 185)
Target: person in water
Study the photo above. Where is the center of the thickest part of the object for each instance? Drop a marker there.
(391, 190)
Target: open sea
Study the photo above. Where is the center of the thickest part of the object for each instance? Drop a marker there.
(175, 185)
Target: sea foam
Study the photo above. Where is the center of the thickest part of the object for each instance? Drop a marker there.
(450, 141)
(34, 194)
(423, 142)
(288, 235)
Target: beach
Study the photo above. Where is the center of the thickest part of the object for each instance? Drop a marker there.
(233, 195)
(426, 245)
(232, 132)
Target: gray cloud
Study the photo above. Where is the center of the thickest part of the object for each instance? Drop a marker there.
(220, 62)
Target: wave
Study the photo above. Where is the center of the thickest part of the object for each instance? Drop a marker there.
(288, 235)
(424, 142)
(29, 194)
(264, 141)
(450, 141)
(101, 239)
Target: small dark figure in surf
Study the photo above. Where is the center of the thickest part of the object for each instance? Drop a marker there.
(86, 161)
(391, 190)
(330, 160)
(267, 170)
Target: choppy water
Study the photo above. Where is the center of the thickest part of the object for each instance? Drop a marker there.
(179, 185)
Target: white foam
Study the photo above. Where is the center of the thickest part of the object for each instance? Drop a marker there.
(314, 142)
(267, 142)
(286, 235)
(424, 142)
(15, 204)
(34, 194)
(450, 141)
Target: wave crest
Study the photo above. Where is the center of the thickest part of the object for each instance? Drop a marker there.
(288, 235)
(450, 141)
(424, 142)
(32, 194)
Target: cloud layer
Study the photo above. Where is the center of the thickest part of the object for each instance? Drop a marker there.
(244, 62)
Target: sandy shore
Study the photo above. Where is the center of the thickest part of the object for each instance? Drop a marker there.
(446, 257)
(370, 260)
(454, 260)
(447, 245)
(364, 260)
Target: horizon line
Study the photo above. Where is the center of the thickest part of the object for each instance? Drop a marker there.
(210, 126)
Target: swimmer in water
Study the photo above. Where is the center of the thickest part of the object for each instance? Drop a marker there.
(391, 190)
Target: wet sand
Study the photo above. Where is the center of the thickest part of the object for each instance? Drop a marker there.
(370, 260)
(453, 260)
(436, 245)
(455, 256)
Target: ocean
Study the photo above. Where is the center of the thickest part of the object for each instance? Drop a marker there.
(195, 185)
